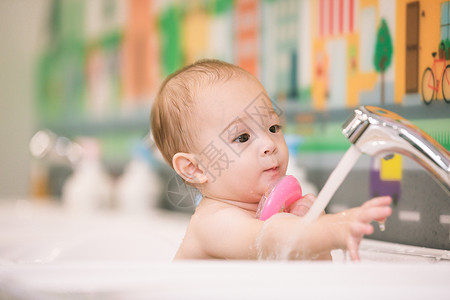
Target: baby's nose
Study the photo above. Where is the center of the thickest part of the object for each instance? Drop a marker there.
(268, 146)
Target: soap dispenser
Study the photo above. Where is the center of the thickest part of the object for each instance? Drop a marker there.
(139, 188)
(89, 188)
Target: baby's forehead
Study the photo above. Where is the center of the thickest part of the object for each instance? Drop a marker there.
(243, 92)
(227, 110)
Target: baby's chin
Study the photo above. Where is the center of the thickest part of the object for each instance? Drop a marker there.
(254, 197)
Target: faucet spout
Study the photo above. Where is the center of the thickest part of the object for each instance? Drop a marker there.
(376, 131)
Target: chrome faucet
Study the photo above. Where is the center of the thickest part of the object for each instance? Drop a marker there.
(377, 132)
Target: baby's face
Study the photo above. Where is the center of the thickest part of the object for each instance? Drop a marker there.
(240, 145)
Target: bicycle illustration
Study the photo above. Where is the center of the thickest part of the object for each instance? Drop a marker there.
(430, 85)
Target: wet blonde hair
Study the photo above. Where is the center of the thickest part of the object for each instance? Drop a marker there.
(172, 116)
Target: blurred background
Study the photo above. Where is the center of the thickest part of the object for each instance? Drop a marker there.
(77, 80)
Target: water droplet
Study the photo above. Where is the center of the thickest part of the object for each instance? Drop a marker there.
(382, 226)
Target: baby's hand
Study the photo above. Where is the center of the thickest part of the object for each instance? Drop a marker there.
(358, 220)
(301, 206)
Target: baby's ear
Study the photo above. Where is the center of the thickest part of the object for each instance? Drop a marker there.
(187, 167)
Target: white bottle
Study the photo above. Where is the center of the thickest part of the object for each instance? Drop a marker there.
(139, 188)
(89, 188)
(299, 173)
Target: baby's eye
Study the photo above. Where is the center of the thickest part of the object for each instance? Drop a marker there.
(275, 128)
(242, 138)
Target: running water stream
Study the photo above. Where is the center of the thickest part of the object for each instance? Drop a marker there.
(333, 183)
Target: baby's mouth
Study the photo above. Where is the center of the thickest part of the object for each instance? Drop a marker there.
(272, 170)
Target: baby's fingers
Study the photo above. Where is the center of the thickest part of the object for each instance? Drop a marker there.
(378, 201)
(357, 230)
(375, 213)
(352, 248)
(376, 209)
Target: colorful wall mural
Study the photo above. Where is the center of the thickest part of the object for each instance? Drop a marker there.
(318, 58)
(349, 36)
(103, 61)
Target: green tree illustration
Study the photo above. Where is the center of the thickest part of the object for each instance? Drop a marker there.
(383, 53)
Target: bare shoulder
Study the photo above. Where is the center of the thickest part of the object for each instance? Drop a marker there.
(211, 210)
(213, 216)
(220, 230)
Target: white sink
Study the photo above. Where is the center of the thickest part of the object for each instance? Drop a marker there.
(378, 251)
(35, 233)
(47, 234)
(46, 253)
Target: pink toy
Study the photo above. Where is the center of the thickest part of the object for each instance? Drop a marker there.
(285, 191)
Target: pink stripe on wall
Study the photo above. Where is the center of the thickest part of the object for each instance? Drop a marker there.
(350, 16)
(330, 11)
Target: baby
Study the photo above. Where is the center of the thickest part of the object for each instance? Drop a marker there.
(215, 125)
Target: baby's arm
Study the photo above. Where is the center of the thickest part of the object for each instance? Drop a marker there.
(231, 233)
(333, 231)
(300, 208)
